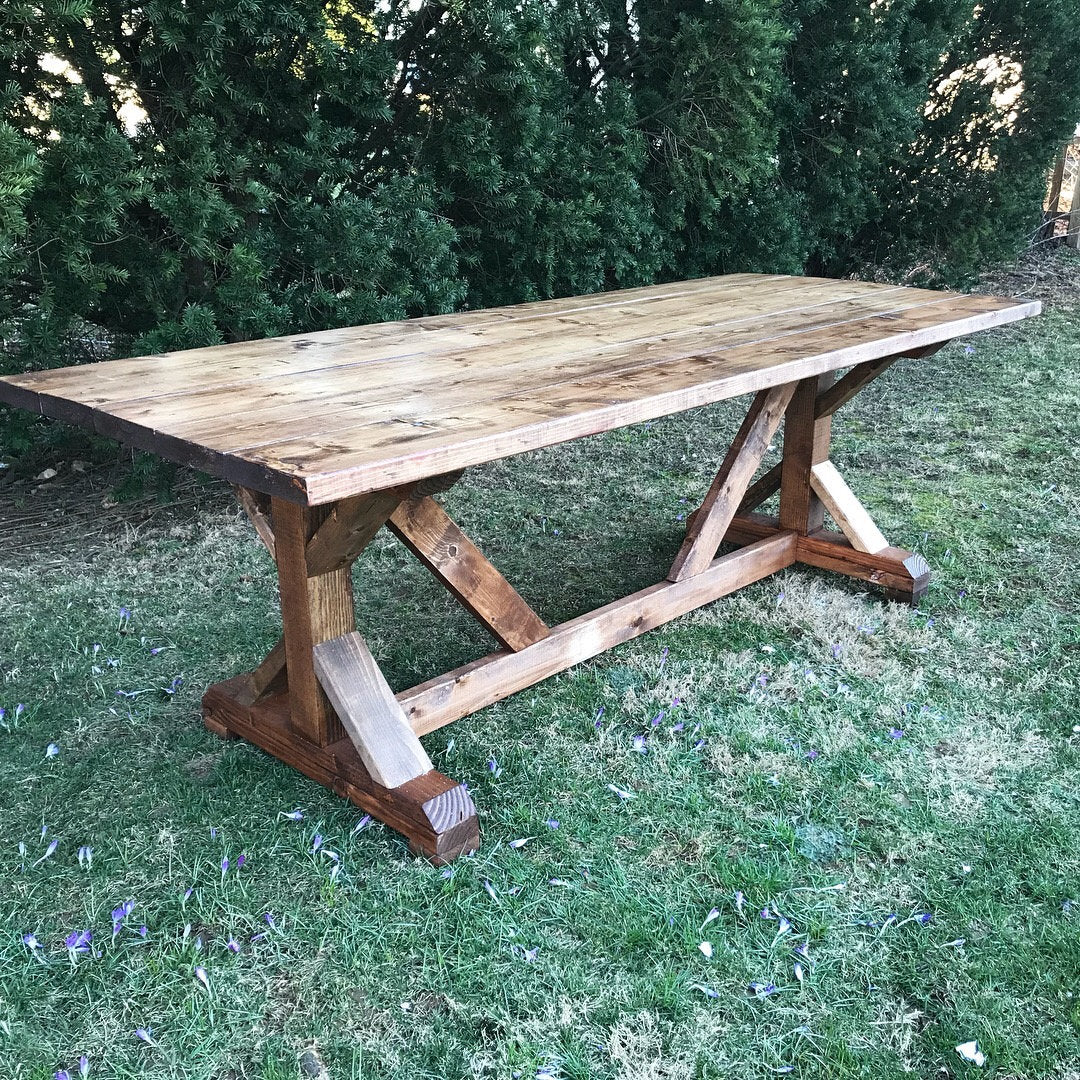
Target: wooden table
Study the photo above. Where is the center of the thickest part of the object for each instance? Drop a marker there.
(329, 437)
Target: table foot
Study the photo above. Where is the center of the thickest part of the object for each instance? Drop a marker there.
(904, 575)
(432, 811)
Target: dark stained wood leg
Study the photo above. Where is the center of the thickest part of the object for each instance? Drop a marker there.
(806, 442)
(433, 812)
(313, 609)
(282, 705)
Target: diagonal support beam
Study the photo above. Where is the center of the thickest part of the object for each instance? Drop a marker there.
(765, 485)
(842, 391)
(269, 675)
(348, 529)
(713, 517)
(432, 536)
(257, 507)
(369, 712)
(846, 510)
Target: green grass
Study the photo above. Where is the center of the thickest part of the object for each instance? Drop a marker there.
(395, 969)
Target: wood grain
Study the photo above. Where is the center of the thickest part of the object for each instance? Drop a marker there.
(348, 528)
(729, 487)
(429, 533)
(434, 812)
(321, 417)
(846, 510)
(474, 686)
(313, 609)
(368, 711)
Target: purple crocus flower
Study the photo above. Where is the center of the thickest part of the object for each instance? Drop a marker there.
(599, 716)
(232, 945)
(270, 920)
(639, 744)
(761, 990)
(84, 1066)
(51, 751)
(31, 942)
(551, 823)
(200, 974)
(655, 721)
(363, 823)
(78, 941)
(62, 1074)
(85, 855)
(922, 917)
(145, 1035)
(294, 815)
(240, 860)
(316, 842)
(493, 767)
(896, 733)
(224, 867)
(48, 852)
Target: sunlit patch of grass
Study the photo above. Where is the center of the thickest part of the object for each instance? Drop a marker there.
(845, 763)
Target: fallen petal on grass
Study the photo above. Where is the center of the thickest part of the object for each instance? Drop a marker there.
(971, 1053)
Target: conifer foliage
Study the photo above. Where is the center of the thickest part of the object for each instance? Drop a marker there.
(179, 174)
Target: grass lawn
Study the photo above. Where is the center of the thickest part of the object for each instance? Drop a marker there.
(894, 793)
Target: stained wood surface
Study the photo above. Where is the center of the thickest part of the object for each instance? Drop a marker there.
(462, 691)
(711, 520)
(433, 811)
(368, 711)
(320, 417)
(433, 537)
(313, 609)
(846, 510)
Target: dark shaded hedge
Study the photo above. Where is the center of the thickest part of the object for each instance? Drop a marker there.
(301, 164)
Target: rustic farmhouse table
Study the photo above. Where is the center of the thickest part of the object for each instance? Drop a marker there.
(330, 436)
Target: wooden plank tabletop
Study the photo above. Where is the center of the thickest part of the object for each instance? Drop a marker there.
(319, 417)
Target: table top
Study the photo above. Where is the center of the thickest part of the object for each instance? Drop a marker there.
(324, 416)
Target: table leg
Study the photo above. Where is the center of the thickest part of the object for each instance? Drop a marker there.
(319, 702)
(810, 485)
